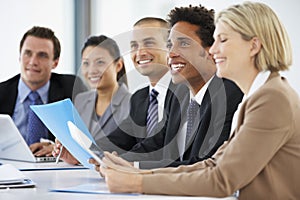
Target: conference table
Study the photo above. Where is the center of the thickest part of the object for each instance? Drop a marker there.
(63, 181)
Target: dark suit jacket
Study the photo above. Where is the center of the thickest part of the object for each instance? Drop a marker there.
(61, 87)
(211, 128)
(130, 138)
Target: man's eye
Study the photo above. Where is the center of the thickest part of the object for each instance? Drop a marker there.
(43, 55)
(27, 53)
(85, 63)
(169, 45)
(184, 44)
(149, 44)
(133, 46)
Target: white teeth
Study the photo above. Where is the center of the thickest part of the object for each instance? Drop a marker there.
(143, 61)
(95, 78)
(176, 67)
(218, 60)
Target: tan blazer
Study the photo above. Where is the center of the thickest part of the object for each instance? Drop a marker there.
(261, 159)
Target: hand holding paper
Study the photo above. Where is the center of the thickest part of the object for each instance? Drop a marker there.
(119, 164)
(86, 143)
(56, 116)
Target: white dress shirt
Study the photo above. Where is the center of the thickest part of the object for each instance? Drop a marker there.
(259, 80)
(161, 87)
(182, 132)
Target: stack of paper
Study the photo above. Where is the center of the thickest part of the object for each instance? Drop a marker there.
(11, 177)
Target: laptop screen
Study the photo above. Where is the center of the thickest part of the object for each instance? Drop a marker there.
(13, 145)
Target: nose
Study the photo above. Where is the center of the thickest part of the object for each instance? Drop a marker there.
(141, 51)
(33, 60)
(94, 69)
(213, 49)
(173, 52)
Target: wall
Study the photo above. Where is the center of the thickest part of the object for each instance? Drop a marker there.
(116, 22)
(16, 20)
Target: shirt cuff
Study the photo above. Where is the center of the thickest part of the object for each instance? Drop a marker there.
(136, 164)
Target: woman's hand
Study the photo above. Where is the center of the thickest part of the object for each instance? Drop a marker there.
(122, 182)
(114, 158)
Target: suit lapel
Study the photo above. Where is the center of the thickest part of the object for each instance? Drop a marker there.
(8, 102)
(113, 106)
(142, 103)
(204, 112)
(89, 112)
(56, 91)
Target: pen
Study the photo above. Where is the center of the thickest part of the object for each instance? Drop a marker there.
(58, 157)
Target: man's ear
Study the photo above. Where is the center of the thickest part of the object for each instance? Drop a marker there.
(55, 63)
(255, 46)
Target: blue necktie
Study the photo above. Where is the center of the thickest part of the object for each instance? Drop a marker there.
(191, 114)
(35, 128)
(152, 114)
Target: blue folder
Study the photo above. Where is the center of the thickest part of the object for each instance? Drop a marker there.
(55, 116)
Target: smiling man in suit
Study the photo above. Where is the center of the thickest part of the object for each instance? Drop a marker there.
(39, 55)
(216, 99)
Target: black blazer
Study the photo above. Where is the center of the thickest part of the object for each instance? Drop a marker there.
(62, 86)
(211, 128)
(130, 138)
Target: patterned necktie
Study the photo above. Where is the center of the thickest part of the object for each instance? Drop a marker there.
(35, 128)
(191, 114)
(152, 114)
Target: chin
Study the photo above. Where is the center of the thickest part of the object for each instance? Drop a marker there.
(177, 79)
(220, 74)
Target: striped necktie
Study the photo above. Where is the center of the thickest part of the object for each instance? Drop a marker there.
(35, 128)
(152, 114)
(191, 115)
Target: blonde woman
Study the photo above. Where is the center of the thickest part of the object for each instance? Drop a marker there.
(262, 156)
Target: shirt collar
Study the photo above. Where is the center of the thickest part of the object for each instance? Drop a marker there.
(259, 80)
(162, 85)
(200, 94)
(24, 90)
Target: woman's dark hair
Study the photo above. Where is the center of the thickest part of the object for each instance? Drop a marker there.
(112, 47)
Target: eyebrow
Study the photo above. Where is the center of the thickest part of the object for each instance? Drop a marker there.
(39, 52)
(97, 58)
(184, 38)
(145, 39)
(181, 39)
(220, 34)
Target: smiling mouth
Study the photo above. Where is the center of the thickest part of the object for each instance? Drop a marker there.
(33, 70)
(94, 79)
(176, 67)
(218, 60)
(142, 62)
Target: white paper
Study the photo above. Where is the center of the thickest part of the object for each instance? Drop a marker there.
(10, 174)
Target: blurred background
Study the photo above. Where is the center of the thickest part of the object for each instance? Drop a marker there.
(74, 20)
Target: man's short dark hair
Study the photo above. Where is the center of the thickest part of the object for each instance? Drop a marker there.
(196, 15)
(45, 33)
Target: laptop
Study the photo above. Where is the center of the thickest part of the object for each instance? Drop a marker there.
(12, 144)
